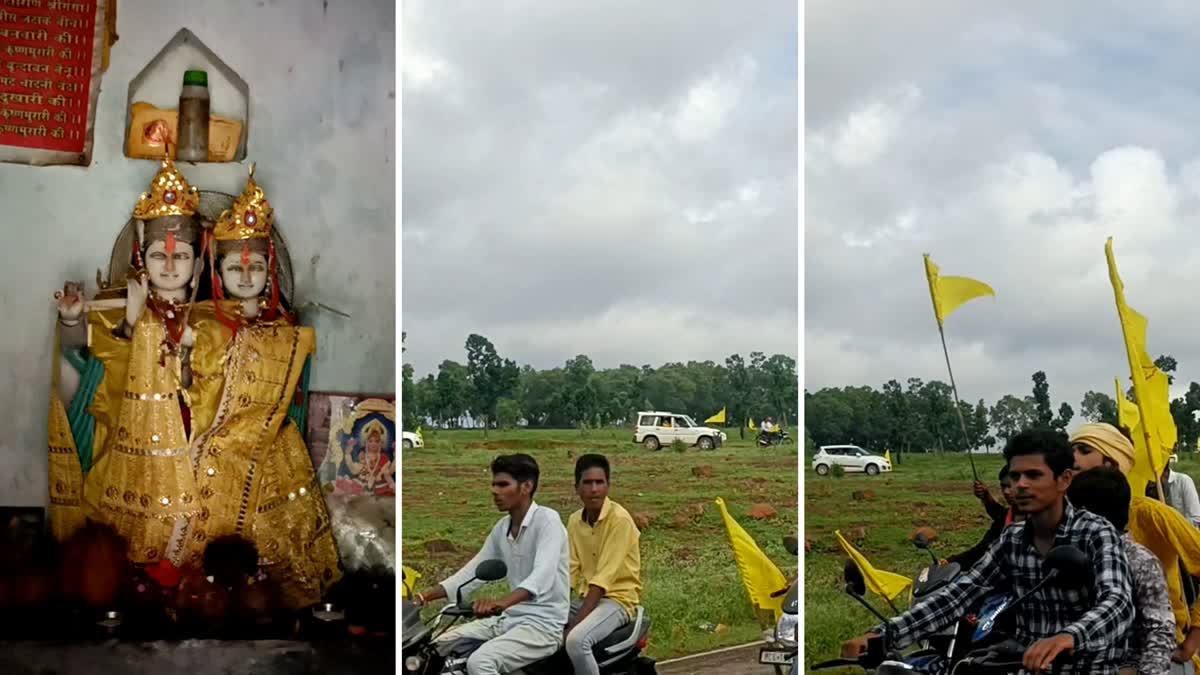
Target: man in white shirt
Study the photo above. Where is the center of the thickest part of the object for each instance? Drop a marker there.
(1181, 493)
(526, 625)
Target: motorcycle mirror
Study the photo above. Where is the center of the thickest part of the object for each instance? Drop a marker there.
(1071, 567)
(491, 570)
(920, 541)
(792, 544)
(856, 585)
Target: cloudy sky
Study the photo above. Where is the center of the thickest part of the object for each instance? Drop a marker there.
(617, 179)
(1008, 140)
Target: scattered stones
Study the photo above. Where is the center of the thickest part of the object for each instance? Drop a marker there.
(683, 554)
(695, 511)
(762, 512)
(702, 471)
(863, 495)
(680, 520)
(643, 520)
(931, 534)
(808, 544)
(436, 546)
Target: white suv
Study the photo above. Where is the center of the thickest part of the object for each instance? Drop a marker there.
(656, 429)
(850, 458)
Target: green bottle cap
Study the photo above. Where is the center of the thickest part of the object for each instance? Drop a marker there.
(198, 78)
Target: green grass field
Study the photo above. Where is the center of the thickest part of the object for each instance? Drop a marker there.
(924, 490)
(688, 572)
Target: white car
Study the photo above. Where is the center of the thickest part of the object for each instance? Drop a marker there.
(409, 440)
(655, 429)
(851, 458)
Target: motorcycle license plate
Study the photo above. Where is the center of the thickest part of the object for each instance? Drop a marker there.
(775, 656)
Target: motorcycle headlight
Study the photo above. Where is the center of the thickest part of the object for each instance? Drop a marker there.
(786, 631)
(412, 664)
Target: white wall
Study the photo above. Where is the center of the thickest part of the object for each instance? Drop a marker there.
(322, 89)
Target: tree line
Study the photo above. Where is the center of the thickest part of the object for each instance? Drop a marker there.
(495, 392)
(919, 416)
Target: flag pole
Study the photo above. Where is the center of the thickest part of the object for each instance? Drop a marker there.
(962, 423)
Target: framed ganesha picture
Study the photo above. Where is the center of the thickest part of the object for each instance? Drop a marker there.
(352, 439)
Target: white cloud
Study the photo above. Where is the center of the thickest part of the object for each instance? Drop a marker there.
(1017, 152)
(568, 173)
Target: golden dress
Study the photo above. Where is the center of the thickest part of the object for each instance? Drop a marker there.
(141, 480)
(254, 474)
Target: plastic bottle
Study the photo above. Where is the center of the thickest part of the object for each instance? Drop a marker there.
(192, 145)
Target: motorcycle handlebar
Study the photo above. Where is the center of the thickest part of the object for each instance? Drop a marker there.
(459, 610)
(1004, 665)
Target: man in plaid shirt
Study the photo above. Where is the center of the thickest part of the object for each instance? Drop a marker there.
(1093, 624)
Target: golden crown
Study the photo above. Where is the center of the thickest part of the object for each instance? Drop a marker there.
(169, 195)
(374, 428)
(249, 218)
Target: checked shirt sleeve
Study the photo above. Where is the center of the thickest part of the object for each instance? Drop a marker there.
(1109, 620)
(947, 605)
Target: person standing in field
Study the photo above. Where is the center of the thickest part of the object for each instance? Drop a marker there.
(1002, 516)
(605, 564)
(1180, 493)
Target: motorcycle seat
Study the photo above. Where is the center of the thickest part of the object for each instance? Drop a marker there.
(626, 636)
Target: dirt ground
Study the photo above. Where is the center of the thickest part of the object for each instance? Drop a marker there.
(740, 661)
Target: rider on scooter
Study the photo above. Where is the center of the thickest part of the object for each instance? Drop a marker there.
(1094, 628)
(605, 564)
(526, 625)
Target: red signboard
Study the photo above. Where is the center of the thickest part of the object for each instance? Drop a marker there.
(47, 68)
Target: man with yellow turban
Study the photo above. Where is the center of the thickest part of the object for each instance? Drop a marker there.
(1154, 525)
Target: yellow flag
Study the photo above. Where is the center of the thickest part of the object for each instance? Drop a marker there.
(886, 584)
(750, 424)
(1130, 419)
(760, 576)
(949, 293)
(1127, 411)
(1156, 435)
(719, 418)
(409, 578)
(887, 456)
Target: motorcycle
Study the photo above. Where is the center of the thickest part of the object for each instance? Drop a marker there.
(782, 643)
(618, 654)
(1066, 565)
(766, 440)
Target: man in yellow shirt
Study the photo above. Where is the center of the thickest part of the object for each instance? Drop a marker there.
(605, 564)
(1154, 525)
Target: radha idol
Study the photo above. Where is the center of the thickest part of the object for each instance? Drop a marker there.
(254, 474)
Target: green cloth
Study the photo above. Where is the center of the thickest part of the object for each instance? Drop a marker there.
(83, 424)
(298, 410)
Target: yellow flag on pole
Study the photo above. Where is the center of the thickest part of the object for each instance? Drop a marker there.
(719, 418)
(1158, 434)
(760, 575)
(950, 293)
(750, 424)
(886, 584)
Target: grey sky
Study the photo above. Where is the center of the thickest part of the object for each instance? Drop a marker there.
(617, 179)
(1008, 140)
